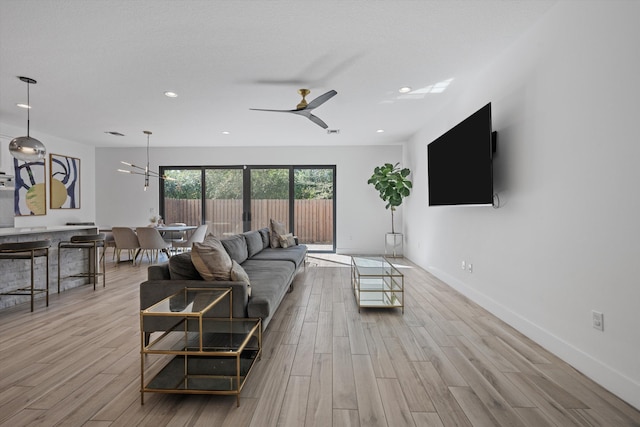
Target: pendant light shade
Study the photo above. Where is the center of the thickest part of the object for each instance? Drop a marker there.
(25, 147)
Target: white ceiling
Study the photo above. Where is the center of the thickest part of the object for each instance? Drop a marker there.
(103, 65)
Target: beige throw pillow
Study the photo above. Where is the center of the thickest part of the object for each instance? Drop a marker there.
(277, 229)
(287, 240)
(211, 259)
(239, 275)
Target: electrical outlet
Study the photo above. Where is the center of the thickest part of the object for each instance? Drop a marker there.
(463, 265)
(597, 319)
(470, 267)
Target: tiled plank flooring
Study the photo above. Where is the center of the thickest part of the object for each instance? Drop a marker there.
(445, 362)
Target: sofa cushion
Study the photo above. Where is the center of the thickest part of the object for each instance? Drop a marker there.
(267, 290)
(294, 254)
(211, 259)
(181, 268)
(277, 229)
(236, 247)
(239, 275)
(264, 233)
(254, 242)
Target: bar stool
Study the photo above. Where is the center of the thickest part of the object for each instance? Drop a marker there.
(28, 250)
(93, 242)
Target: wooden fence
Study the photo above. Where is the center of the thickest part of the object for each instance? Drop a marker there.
(313, 221)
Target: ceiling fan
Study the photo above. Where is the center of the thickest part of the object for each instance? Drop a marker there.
(304, 108)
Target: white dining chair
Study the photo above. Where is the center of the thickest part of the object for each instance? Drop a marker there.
(125, 240)
(196, 237)
(151, 241)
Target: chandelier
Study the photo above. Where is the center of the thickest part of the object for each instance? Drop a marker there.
(138, 170)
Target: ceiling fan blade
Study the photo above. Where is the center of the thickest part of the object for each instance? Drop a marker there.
(273, 111)
(321, 100)
(318, 121)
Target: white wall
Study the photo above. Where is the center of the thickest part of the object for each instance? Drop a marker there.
(86, 154)
(566, 104)
(361, 219)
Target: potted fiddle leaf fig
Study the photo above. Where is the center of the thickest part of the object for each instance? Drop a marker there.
(392, 183)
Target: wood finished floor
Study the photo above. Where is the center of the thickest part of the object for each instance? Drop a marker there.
(445, 362)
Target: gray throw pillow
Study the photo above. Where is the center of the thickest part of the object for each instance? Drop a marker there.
(181, 267)
(211, 259)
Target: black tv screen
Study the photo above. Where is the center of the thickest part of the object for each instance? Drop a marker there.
(460, 168)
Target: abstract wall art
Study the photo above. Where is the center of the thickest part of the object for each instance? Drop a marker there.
(64, 185)
(30, 196)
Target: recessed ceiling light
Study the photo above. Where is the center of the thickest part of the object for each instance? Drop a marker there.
(226, 132)
(405, 89)
(171, 94)
(380, 131)
(23, 105)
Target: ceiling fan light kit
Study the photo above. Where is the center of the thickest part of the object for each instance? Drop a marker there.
(304, 109)
(27, 148)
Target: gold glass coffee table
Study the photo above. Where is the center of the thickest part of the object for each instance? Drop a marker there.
(202, 355)
(376, 283)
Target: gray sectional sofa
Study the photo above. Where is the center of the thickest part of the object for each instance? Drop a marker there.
(270, 270)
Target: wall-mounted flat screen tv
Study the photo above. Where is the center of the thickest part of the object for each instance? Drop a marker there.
(460, 170)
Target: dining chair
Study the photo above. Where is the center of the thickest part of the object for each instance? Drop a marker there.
(174, 236)
(109, 242)
(126, 240)
(196, 237)
(151, 241)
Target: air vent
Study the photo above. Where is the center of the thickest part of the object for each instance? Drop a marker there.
(114, 133)
(333, 131)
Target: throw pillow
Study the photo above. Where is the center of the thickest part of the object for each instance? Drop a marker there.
(239, 275)
(211, 259)
(277, 229)
(181, 267)
(287, 240)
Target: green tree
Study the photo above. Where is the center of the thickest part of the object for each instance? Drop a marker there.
(184, 185)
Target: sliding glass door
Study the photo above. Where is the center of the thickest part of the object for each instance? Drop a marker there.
(236, 199)
(224, 200)
(181, 197)
(270, 194)
(313, 219)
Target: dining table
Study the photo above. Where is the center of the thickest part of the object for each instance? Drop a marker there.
(171, 229)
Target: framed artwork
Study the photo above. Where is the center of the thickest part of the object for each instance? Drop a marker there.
(64, 182)
(30, 195)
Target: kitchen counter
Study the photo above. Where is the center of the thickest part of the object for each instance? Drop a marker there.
(18, 231)
(16, 272)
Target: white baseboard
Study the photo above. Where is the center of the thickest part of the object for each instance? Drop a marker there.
(608, 377)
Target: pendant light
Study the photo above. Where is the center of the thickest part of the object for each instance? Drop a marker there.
(144, 170)
(25, 147)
